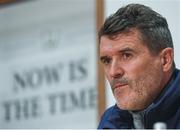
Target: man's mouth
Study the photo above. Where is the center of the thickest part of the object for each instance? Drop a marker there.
(118, 85)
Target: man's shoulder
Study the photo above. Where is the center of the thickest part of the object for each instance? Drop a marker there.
(106, 117)
(115, 118)
(111, 111)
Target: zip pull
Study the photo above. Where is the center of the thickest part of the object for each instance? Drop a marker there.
(159, 126)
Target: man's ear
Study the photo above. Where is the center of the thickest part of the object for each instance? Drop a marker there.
(167, 58)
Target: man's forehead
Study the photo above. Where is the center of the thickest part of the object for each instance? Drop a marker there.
(110, 46)
(127, 32)
(121, 42)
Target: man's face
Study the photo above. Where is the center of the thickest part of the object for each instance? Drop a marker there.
(135, 75)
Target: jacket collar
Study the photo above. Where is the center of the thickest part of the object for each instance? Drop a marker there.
(166, 104)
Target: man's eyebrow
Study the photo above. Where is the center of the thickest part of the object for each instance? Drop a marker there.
(126, 49)
(103, 57)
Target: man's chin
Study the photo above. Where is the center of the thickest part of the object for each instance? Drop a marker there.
(130, 106)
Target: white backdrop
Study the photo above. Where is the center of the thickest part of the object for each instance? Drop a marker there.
(170, 9)
(48, 64)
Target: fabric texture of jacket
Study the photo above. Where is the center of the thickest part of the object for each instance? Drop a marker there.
(166, 108)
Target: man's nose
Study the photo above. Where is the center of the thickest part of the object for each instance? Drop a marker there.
(115, 69)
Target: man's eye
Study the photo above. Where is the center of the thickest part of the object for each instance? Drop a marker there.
(106, 60)
(126, 56)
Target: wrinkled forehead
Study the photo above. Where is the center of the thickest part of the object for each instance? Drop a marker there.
(131, 33)
(121, 42)
(128, 32)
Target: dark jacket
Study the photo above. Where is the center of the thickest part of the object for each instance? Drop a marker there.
(166, 108)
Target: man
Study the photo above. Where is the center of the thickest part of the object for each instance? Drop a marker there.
(136, 50)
